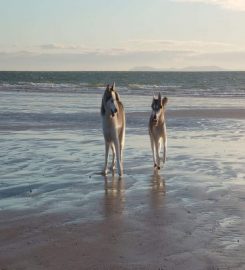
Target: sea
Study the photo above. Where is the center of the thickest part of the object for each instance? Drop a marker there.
(203, 84)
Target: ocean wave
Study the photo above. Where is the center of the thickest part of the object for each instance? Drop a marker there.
(129, 89)
(152, 86)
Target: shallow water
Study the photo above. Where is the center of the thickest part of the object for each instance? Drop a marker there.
(53, 141)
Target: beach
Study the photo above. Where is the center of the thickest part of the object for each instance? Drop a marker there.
(58, 212)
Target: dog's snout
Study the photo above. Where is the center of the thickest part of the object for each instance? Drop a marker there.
(154, 117)
(113, 112)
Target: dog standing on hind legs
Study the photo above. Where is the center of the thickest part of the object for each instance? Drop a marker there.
(157, 129)
(113, 122)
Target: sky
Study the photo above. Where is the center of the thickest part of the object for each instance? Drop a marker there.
(121, 34)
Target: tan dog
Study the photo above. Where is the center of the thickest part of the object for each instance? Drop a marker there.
(113, 122)
(157, 129)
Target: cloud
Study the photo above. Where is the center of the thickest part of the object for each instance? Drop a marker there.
(132, 47)
(104, 61)
(64, 48)
(54, 46)
(194, 46)
(162, 54)
(49, 46)
(88, 61)
(238, 5)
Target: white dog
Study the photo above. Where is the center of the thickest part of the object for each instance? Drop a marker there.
(157, 129)
(113, 120)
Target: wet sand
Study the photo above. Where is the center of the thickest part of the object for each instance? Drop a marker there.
(130, 225)
(58, 212)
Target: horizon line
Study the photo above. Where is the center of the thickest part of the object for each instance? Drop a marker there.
(134, 71)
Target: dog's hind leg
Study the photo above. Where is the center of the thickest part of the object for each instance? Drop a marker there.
(118, 154)
(164, 144)
(158, 145)
(121, 141)
(164, 150)
(113, 163)
(107, 145)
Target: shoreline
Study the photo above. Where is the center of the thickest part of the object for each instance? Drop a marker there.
(10, 121)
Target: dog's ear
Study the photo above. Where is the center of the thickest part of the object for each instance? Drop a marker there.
(113, 87)
(164, 101)
(159, 100)
(108, 87)
(117, 97)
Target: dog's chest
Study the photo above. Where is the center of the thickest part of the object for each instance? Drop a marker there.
(158, 130)
(110, 129)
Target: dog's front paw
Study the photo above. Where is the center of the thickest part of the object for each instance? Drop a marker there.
(156, 166)
(120, 172)
(113, 168)
(104, 172)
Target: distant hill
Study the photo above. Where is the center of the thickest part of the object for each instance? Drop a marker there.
(189, 68)
(203, 68)
(145, 68)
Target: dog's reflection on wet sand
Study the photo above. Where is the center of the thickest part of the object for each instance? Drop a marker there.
(158, 190)
(114, 197)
